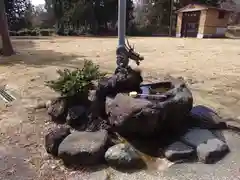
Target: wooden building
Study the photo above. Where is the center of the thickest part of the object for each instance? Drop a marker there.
(196, 20)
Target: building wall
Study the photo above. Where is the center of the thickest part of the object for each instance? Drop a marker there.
(213, 25)
(202, 21)
(179, 24)
(209, 24)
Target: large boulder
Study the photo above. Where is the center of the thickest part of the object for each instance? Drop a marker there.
(147, 116)
(124, 157)
(84, 148)
(175, 109)
(130, 115)
(124, 80)
(54, 138)
(205, 117)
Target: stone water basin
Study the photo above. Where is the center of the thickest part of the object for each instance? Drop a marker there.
(172, 101)
(156, 89)
(159, 106)
(178, 95)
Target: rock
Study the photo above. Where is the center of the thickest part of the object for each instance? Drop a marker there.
(54, 138)
(83, 148)
(147, 117)
(212, 151)
(58, 110)
(130, 115)
(97, 124)
(141, 116)
(176, 107)
(124, 80)
(123, 156)
(204, 117)
(194, 137)
(179, 151)
(76, 115)
(209, 148)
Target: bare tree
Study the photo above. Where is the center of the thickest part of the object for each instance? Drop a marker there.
(7, 48)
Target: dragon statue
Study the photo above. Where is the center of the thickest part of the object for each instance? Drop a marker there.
(124, 54)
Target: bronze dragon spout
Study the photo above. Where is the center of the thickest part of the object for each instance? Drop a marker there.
(125, 53)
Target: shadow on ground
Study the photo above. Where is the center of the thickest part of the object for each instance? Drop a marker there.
(28, 53)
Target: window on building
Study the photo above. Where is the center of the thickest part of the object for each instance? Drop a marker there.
(221, 15)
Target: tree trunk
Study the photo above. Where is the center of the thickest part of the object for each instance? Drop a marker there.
(7, 49)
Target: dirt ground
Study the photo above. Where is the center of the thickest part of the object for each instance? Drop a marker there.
(211, 67)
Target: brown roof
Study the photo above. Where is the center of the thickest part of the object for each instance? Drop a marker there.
(199, 7)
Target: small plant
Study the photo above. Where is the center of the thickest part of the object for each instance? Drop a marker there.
(76, 83)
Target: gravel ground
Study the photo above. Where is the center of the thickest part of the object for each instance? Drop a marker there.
(211, 68)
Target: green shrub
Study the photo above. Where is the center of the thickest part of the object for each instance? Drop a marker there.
(35, 32)
(77, 82)
(72, 32)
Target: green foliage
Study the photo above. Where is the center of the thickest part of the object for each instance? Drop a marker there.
(182, 3)
(77, 82)
(92, 16)
(210, 2)
(16, 11)
(32, 32)
(154, 17)
(137, 30)
(95, 15)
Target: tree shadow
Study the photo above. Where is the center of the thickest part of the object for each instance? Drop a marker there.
(28, 53)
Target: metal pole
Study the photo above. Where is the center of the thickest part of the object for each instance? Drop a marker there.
(170, 18)
(121, 62)
(122, 5)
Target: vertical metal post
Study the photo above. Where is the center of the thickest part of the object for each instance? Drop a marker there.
(170, 18)
(122, 5)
